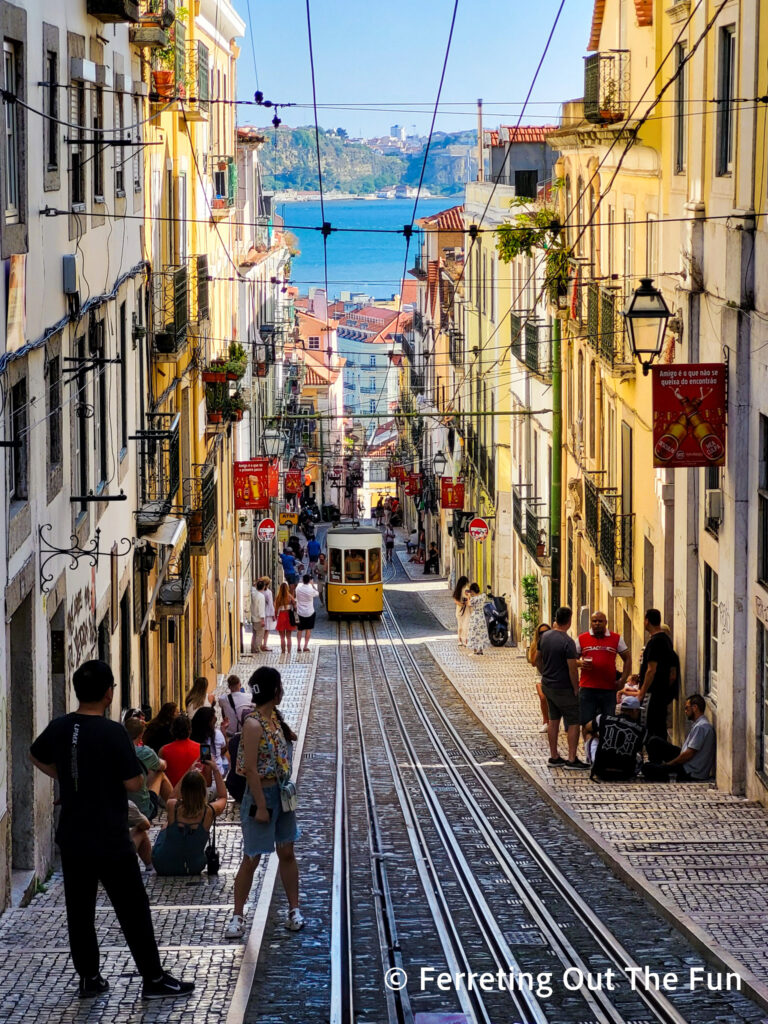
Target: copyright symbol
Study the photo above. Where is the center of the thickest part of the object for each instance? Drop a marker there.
(395, 979)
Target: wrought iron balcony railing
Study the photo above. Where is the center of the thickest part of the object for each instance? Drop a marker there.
(516, 334)
(536, 530)
(616, 539)
(456, 346)
(538, 349)
(591, 510)
(606, 86)
(170, 310)
(418, 321)
(173, 595)
(518, 507)
(613, 337)
(155, 18)
(409, 348)
(200, 500)
(198, 63)
(593, 316)
(159, 469)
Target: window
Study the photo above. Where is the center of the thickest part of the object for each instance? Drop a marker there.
(77, 146)
(12, 180)
(19, 460)
(51, 100)
(610, 241)
(101, 424)
(138, 167)
(592, 408)
(629, 251)
(374, 566)
(651, 245)
(372, 361)
(580, 216)
(762, 692)
(314, 342)
(119, 152)
(711, 630)
(492, 311)
(98, 146)
(762, 505)
(712, 482)
(725, 111)
(54, 411)
(626, 470)
(371, 383)
(354, 566)
(525, 184)
(334, 572)
(82, 412)
(123, 379)
(372, 405)
(681, 110)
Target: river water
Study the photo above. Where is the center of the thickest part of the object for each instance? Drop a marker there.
(366, 261)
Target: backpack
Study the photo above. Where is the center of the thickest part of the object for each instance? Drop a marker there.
(235, 783)
(619, 741)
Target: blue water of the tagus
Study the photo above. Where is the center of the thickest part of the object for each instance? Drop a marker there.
(369, 260)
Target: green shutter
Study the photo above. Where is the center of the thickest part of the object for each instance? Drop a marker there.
(180, 56)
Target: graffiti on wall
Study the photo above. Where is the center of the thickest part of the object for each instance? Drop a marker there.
(82, 637)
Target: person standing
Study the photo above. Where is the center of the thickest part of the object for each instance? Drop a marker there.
(198, 696)
(321, 576)
(557, 662)
(285, 603)
(598, 650)
(95, 764)
(533, 651)
(461, 600)
(232, 704)
(258, 609)
(655, 673)
(313, 553)
(288, 559)
(306, 592)
(477, 633)
(389, 542)
(269, 612)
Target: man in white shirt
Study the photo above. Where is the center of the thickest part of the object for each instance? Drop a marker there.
(695, 761)
(306, 592)
(232, 706)
(257, 616)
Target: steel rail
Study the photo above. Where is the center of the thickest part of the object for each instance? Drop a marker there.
(471, 1003)
(398, 1001)
(526, 1005)
(657, 1003)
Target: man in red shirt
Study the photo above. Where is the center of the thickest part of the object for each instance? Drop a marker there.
(182, 752)
(598, 650)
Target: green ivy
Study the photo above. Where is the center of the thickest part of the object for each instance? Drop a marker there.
(530, 615)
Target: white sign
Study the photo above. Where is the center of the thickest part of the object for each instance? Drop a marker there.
(266, 530)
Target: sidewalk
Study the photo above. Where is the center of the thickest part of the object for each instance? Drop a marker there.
(37, 981)
(701, 856)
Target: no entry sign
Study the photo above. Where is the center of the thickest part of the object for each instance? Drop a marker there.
(478, 529)
(266, 529)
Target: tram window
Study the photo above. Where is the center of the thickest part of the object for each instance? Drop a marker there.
(374, 566)
(335, 571)
(354, 566)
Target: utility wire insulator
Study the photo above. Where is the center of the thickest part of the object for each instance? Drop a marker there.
(408, 231)
(326, 229)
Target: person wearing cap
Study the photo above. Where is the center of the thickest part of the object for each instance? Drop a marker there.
(620, 739)
(598, 649)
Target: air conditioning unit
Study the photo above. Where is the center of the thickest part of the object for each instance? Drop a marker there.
(713, 503)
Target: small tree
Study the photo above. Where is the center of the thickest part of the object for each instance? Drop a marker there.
(530, 615)
(537, 229)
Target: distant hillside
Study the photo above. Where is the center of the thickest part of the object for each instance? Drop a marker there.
(355, 167)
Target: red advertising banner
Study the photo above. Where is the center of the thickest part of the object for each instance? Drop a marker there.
(451, 492)
(293, 481)
(400, 474)
(274, 478)
(251, 481)
(689, 415)
(413, 485)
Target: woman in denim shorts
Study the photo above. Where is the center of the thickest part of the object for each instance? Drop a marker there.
(264, 758)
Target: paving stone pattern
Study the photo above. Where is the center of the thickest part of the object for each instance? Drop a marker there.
(37, 981)
(671, 833)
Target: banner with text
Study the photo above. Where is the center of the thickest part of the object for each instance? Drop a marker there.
(689, 411)
(251, 479)
(451, 492)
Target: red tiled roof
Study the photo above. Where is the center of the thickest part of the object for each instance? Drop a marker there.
(445, 220)
(409, 291)
(643, 10)
(523, 133)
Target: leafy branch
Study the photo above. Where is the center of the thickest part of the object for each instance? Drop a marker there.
(537, 229)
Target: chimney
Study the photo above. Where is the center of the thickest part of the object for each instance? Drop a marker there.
(480, 174)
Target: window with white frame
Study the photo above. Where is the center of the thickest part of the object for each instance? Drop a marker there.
(98, 146)
(51, 101)
(118, 151)
(372, 361)
(725, 102)
(138, 166)
(372, 405)
(12, 174)
(77, 143)
(651, 245)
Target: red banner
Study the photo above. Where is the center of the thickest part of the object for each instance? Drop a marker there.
(251, 481)
(413, 485)
(293, 481)
(689, 415)
(274, 478)
(451, 492)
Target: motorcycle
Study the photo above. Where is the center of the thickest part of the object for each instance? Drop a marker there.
(497, 619)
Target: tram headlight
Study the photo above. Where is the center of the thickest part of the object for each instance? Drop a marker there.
(355, 598)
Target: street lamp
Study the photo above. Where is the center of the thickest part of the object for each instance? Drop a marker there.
(646, 317)
(300, 459)
(439, 462)
(273, 443)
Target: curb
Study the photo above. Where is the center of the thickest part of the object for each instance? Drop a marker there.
(714, 953)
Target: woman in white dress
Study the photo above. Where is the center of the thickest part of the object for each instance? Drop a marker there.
(269, 611)
(461, 600)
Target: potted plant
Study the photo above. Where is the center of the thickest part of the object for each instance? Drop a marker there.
(214, 374)
(530, 615)
(238, 361)
(165, 81)
(216, 402)
(236, 406)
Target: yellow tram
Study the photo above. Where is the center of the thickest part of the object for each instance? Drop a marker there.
(355, 560)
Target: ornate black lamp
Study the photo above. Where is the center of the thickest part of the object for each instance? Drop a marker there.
(273, 443)
(439, 462)
(646, 317)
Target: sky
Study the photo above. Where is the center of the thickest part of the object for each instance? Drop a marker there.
(379, 64)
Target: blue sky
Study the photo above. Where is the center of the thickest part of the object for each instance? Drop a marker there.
(369, 54)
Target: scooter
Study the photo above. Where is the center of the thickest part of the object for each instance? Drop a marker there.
(497, 619)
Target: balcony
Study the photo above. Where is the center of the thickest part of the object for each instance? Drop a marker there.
(199, 309)
(538, 350)
(591, 510)
(155, 18)
(409, 349)
(113, 10)
(456, 347)
(593, 316)
(418, 321)
(170, 316)
(518, 504)
(613, 336)
(198, 64)
(159, 474)
(417, 379)
(536, 531)
(173, 595)
(419, 268)
(224, 173)
(606, 87)
(200, 499)
(616, 539)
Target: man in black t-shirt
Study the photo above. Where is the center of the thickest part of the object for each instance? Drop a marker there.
(658, 658)
(96, 766)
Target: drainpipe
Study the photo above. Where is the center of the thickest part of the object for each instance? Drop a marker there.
(556, 485)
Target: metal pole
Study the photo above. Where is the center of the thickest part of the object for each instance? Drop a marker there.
(556, 487)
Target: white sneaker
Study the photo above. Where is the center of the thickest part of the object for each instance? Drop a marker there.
(543, 728)
(236, 928)
(295, 920)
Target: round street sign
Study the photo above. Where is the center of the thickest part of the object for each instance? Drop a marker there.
(266, 529)
(478, 529)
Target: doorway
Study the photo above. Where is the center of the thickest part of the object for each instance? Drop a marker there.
(21, 724)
